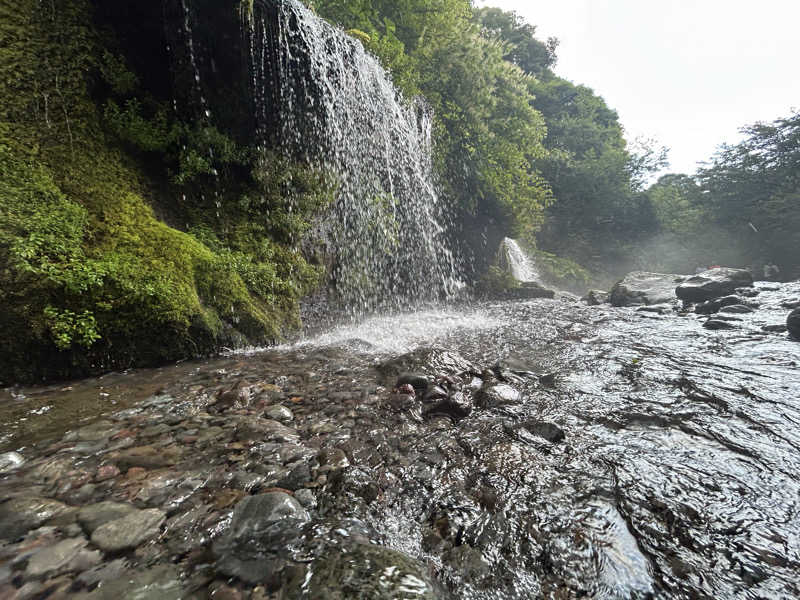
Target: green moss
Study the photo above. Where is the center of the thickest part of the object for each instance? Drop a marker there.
(496, 282)
(90, 278)
(561, 272)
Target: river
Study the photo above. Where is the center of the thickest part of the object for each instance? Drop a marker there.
(604, 453)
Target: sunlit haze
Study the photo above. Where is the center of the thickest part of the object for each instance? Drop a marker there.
(689, 73)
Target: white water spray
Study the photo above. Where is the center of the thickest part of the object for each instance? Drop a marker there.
(330, 103)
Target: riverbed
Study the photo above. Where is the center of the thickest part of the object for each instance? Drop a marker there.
(570, 452)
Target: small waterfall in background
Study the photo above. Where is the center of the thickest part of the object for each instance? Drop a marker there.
(521, 266)
(323, 99)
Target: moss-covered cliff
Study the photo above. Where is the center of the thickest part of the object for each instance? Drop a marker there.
(134, 228)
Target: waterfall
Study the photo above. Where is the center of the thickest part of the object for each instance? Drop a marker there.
(323, 99)
(521, 266)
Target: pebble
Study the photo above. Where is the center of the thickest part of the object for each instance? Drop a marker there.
(55, 558)
(279, 413)
(129, 531)
(20, 515)
(93, 516)
(106, 472)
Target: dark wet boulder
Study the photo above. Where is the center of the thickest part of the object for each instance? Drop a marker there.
(710, 307)
(717, 324)
(253, 547)
(364, 571)
(596, 297)
(640, 287)
(793, 323)
(713, 283)
(416, 380)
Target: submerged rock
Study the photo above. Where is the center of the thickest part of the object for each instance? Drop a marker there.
(253, 548)
(596, 297)
(364, 571)
(545, 430)
(493, 395)
(93, 516)
(10, 461)
(130, 531)
(641, 287)
(713, 306)
(713, 283)
(433, 361)
(20, 515)
(793, 323)
(736, 309)
(58, 557)
(456, 405)
(717, 324)
(161, 582)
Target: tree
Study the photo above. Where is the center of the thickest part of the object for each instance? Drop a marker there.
(752, 191)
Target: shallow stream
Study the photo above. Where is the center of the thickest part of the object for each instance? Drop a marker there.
(635, 455)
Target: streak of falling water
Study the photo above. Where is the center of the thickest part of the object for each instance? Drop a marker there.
(522, 266)
(330, 103)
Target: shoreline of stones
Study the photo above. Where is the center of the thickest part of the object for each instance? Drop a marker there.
(722, 294)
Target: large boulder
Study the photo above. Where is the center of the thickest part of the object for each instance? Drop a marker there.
(713, 283)
(595, 297)
(793, 323)
(642, 288)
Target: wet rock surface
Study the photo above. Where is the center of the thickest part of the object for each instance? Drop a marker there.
(528, 450)
(793, 323)
(640, 287)
(713, 283)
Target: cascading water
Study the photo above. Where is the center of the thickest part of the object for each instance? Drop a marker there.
(519, 263)
(323, 99)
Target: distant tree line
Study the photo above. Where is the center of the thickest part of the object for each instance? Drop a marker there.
(743, 209)
(523, 151)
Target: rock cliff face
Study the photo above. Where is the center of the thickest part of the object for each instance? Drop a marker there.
(140, 221)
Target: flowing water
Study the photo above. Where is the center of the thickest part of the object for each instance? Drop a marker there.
(334, 106)
(521, 265)
(646, 456)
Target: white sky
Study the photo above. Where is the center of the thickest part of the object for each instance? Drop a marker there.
(689, 73)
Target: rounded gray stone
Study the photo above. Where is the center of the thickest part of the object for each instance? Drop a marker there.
(130, 531)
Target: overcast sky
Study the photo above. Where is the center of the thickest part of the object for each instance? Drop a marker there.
(689, 73)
